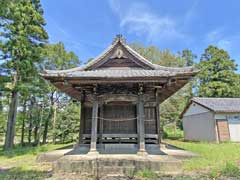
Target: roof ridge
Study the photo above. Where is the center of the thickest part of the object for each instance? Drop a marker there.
(122, 40)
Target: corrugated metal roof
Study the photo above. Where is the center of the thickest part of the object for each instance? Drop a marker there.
(230, 105)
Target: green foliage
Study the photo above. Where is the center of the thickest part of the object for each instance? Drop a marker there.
(57, 58)
(157, 56)
(172, 133)
(36, 95)
(231, 170)
(188, 57)
(212, 156)
(170, 109)
(217, 77)
(67, 125)
(146, 174)
(23, 37)
(13, 160)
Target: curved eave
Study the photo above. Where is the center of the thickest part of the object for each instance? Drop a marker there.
(89, 80)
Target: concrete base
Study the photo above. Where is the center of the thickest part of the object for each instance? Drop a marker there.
(142, 153)
(127, 165)
(122, 159)
(93, 152)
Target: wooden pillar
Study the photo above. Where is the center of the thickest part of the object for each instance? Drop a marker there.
(82, 122)
(101, 123)
(140, 124)
(158, 123)
(93, 145)
(158, 116)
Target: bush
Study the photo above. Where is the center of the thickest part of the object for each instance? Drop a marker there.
(170, 133)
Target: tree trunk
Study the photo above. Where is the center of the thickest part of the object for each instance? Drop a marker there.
(30, 130)
(37, 127)
(54, 117)
(45, 132)
(10, 133)
(40, 125)
(23, 123)
(30, 122)
(36, 135)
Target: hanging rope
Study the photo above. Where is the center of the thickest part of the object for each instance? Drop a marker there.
(118, 120)
(122, 119)
(148, 120)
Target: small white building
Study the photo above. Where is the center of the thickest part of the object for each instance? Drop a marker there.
(212, 119)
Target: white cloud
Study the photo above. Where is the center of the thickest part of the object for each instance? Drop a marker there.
(214, 35)
(224, 44)
(138, 18)
(222, 40)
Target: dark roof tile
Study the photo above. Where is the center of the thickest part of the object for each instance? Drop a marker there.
(230, 105)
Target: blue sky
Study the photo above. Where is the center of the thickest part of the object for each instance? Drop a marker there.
(88, 27)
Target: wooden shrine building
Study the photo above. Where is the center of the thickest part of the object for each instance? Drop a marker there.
(120, 92)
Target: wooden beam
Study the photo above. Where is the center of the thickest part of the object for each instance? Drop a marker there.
(153, 136)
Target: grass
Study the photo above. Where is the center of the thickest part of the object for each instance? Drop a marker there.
(231, 170)
(214, 158)
(20, 162)
(146, 174)
(170, 133)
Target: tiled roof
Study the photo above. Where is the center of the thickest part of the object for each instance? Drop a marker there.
(121, 73)
(153, 70)
(219, 104)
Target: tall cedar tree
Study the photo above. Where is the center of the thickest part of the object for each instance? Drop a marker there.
(22, 39)
(217, 77)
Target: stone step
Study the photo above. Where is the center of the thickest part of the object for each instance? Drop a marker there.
(126, 165)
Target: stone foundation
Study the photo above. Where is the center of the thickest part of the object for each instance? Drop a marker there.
(122, 159)
(127, 165)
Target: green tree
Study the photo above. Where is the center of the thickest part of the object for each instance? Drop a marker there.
(171, 108)
(67, 126)
(187, 56)
(217, 77)
(157, 56)
(40, 101)
(22, 38)
(56, 58)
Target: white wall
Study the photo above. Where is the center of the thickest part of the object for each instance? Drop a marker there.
(234, 127)
(199, 124)
(233, 124)
(195, 109)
